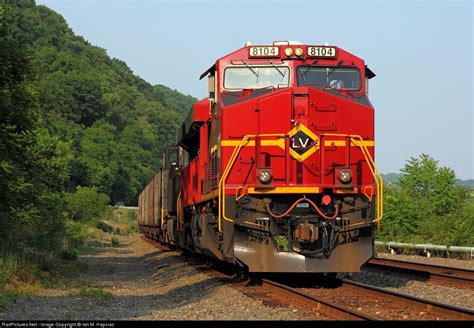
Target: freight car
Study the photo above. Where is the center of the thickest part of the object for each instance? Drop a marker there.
(274, 170)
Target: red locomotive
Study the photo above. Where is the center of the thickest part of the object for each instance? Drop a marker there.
(274, 171)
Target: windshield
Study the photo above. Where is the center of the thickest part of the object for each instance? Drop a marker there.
(255, 77)
(332, 77)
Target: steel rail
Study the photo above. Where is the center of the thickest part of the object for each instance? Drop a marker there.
(451, 311)
(434, 273)
(340, 312)
(326, 307)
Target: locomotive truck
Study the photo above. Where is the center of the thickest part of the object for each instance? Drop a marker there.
(274, 170)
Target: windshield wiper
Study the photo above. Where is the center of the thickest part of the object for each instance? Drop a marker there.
(281, 73)
(250, 68)
(303, 74)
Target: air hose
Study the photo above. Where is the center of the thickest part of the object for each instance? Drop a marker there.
(279, 216)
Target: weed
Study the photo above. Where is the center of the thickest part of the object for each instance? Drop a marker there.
(8, 266)
(95, 293)
(281, 243)
(115, 242)
(5, 298)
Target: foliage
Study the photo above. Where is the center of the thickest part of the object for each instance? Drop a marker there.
(114, 242)
(70, 116)
(425, 206)
(28, 278)
(86, 204)
(114, 123)
(281, 243)
(76, 235)
(34, 163)
(126, 218)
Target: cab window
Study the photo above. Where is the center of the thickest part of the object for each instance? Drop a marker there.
(255, 77)
(342, 78)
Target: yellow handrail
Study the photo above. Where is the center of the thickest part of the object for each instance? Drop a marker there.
(358, 141)
(230, 163)
(162, 216)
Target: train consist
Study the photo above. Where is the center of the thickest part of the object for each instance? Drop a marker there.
(274, 170)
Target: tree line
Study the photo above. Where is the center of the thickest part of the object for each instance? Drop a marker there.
(74, 124)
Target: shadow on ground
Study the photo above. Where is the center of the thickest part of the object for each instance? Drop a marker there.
(115, 308)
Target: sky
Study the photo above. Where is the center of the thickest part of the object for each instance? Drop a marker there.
(421, 51)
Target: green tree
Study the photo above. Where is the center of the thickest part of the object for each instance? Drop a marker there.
(114, 122)
(34, 164)
(421, 204)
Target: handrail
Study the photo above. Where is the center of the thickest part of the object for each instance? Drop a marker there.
(230, 163)
(358, 141)
(162, 216)
(179, 215)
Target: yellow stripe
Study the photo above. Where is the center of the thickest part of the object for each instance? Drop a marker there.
(284, 190)
(337, 143)
(278, 143)
(342, 143)
(236, 143)
(281, 143)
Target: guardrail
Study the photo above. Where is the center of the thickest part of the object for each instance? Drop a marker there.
(127, 207)
(427, 248)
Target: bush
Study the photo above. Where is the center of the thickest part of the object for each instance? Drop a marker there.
(115, 242)
(87, 204)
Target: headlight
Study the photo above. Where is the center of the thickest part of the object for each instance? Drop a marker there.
(345, 176)
(299, 52)
(264, 177)
(288, 52)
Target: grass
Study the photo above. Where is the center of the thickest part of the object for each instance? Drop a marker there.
(97, 294)
(22, 278)
(125, 220)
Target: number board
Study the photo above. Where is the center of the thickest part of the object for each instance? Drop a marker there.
(321, 52)
(264, 52)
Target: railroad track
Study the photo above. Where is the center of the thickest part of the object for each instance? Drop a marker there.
(442, 275)
(328, 308)
(341, 299)
(351, 300)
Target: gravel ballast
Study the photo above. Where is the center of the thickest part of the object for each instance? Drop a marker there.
(146, 284)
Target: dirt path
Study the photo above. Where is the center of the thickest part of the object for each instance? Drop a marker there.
(137, 281)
